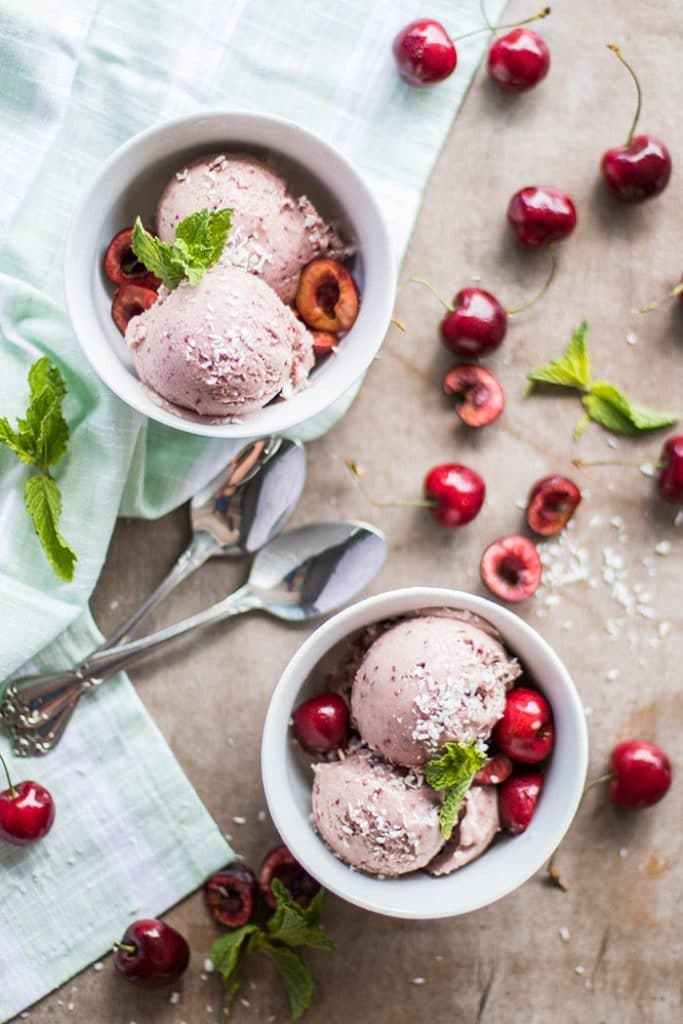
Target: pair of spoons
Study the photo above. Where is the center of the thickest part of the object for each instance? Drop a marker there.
(299, 575)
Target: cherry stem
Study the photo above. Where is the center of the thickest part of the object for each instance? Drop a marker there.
(673, 294)
(10, 784)
(544, 289)
(428, 284)
(353, 469)
(125, 947)
(488, 27)
(615, 49)
(583, 464)
(607, 777)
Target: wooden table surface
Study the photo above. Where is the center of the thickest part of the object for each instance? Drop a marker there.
(608, 949)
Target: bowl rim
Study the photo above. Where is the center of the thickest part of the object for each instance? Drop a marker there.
(100, 354)
(276, 741)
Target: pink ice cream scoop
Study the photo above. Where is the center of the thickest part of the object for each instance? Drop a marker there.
(220, 349)
(474, 833)
(273, 234)
(426, 681)
(375, 816)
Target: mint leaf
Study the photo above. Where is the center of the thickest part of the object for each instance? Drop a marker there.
(572, 369)
(454, 772)
(44, 375)
(44, 505)
(226, 952)
(199, 241)
(296, 976)
(22, 443)
(159, 257)
(295, 925)
(613, 404)
(203, 235)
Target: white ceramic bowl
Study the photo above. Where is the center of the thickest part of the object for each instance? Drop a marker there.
(131, 182)
(506, 865)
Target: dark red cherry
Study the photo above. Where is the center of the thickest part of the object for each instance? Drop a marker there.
(322, 723)
(458, 493)
(540, 214)
(151, 954)
(27, 813)
(517, 799)
(639, 170)
(526, 731)
(476, 325)
(670, 479)
(424, 52)
(519, 60)
(642, 774)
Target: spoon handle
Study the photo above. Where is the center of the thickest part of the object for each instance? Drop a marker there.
(31, 700)
(201, 547)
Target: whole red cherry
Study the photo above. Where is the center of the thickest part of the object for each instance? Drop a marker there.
(540, 214)
(424, 53)
(517, 799)
(518, 60)
(476, 325)
(322, 723)
(642, 774)
(457, 492)
(151, 954)
(526, 731)
(670, 479)
(27, 811)
(641, 168)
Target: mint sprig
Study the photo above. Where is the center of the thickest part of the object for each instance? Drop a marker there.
(603, 402)
(289, 928)
(199, 241)
(453, 774)
(40, 439)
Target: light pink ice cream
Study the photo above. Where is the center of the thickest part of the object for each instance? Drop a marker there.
(374, 816)
(476, 830)
(220, 349)
(273, 234)
(426, 681)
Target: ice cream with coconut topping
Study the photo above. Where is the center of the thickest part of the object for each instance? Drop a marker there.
(220, 349)
(429, 680)
(414, 685)
(274, 233)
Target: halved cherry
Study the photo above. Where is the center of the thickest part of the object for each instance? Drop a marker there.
(130, 300)
(327, 297)
(511, 568)
(496, 770)
(552, 502)
(323, 343)
(280, 864)
(122, 266)
(479, 397)
(231, 895)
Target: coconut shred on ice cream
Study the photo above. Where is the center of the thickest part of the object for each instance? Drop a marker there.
(421, 682)
(225, 347)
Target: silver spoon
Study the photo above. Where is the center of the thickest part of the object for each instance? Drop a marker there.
(235, 514)
(299, 575)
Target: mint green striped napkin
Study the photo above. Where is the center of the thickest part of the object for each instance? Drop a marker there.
(76, 81)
